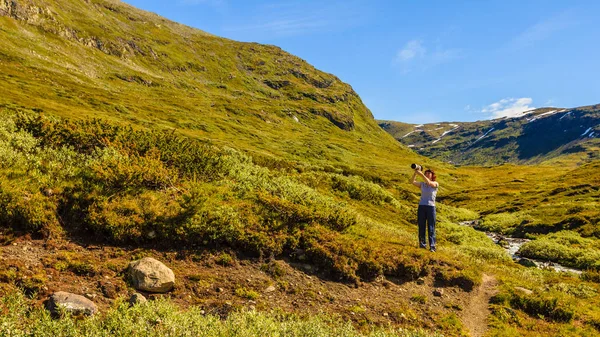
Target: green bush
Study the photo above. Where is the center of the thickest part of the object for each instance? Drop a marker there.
(25, 210)
(565, 247)
(163, 318)
(536, 306)
(591, 276)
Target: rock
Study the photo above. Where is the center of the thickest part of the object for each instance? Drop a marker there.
(385, 314)
(270, 289)
(524, 290)
(108, 289)
(420, 281)
(151, 275)
(71, 303)
(526, 262)
(137, 298)
(219, 290)
(90, 296)
(438, 292)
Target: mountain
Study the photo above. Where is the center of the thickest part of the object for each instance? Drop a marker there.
(537, 136)
(109, 60)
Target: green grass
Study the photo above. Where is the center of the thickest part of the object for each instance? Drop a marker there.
(566, 248)
(168, 136)
(163, 318)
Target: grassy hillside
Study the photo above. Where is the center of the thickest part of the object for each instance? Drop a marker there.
(125, 135)
(542, 136)
(109, 60)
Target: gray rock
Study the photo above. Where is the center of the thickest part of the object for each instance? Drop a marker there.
(526, 262)
(524, 290)
(151, 275)
(270, 289)
(71, 303)
(137, 298)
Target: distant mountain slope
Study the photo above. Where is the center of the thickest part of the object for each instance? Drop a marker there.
(104, 58)
(541, 135)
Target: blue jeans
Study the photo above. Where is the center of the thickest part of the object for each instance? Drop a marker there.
(426, 213)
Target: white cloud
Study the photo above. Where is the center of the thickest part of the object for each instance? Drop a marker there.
(412, 49)
(543, 30)
(415, 55)
(508, 107)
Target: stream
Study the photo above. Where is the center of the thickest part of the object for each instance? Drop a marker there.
(512, 245)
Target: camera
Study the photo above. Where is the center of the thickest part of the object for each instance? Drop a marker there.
(416, 167)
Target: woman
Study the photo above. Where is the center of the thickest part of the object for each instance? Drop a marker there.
(426, 211)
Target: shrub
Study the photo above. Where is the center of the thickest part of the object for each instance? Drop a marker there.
(27, 211)
(536, 306)
(247, 293)
(591, 276)
(115, 170)
(273, 268)
(418, 299)
(224, 259)
(565, 247)
(163, 318)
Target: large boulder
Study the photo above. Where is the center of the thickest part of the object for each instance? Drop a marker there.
(71, 303)
(151, 275)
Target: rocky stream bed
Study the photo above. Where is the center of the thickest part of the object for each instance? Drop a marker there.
(512, 246)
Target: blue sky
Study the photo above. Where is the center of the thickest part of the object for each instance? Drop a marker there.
(425, 61)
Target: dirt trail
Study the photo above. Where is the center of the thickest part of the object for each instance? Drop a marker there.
(475, 315)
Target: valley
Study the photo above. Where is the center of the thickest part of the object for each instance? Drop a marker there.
(270, 191)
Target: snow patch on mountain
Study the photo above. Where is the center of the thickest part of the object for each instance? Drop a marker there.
(586, 132)
(565, 115)
(485, 134)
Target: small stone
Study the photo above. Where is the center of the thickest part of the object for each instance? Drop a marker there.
(438, 292)
(219, 290)
(270, 289)
(90, 296)
(202, 312)
(137, 298)
(420, 281)
(71, 303)
(252, 308)
(385, 314)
